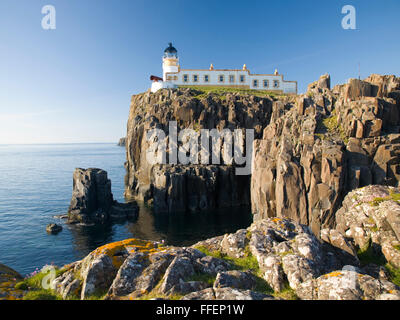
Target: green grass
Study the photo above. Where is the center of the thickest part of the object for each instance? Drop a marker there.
(96, 296)
(35, 282)
(34, 287)
(203, 277)
(331, 125)
(283, 254)
(367, 255)
(287, 293)
(262, 286)
(222, 91)
(377, 201)
(395, 196)
(42, 295)
(156, 294)
(248, 262)
(394, 274)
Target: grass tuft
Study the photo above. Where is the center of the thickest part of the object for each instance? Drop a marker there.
(42, 295)
(222, 91)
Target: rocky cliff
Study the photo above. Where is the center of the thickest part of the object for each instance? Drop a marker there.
(196, 187)
(310, 150)
(327, 143)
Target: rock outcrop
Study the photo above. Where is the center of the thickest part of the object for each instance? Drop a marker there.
(347, 285)
(370, 217)
(92, 200)
(8, 280)
(121, 142)
(327, 143)
(202, 186)
(53, 228)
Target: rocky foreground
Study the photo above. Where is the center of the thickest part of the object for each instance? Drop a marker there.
(275, 258)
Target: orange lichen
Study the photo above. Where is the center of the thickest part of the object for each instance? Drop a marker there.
(333, 274)
(126, 246)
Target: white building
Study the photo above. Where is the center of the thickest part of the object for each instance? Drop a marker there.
(174, 76)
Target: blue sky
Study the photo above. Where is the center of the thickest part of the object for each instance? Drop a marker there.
(74, 84)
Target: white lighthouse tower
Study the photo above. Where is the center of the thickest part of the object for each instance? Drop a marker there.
(170, 61)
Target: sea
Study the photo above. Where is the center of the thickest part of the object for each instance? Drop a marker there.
(36, 187)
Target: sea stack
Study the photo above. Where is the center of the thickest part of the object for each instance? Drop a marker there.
(121, 142)
(92, 200)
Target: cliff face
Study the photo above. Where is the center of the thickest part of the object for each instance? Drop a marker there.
(324, 145)
(189, 187)
(310, 150)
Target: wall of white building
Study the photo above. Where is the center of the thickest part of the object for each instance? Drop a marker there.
(252, 81)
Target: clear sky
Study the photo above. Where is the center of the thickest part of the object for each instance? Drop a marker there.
(74, 83)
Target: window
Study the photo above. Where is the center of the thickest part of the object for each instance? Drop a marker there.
(266, 83)
(185, 78)
(221, 78)
(276, 84)
(255, 83)
(231, 78)
(242, 78)
(206, 78)
(195, 78)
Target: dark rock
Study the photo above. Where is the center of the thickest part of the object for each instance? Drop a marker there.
(92, 200)
(121, 142)
(53, 228)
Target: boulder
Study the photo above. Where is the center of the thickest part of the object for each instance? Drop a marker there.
(347, 285)
(370, 217)
(289, 252)
(226, 294)
(235, 279)
(53, 228)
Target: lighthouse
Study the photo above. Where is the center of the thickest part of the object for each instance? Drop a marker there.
(173, 77)
(170, 61)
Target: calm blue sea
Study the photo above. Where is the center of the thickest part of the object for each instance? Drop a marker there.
(36, 185)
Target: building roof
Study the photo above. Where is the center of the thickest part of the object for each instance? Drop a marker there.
(170, 49)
